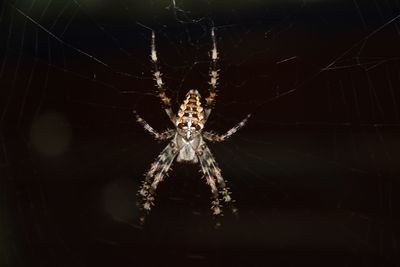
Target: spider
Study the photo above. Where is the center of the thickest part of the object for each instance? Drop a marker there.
(188, 138)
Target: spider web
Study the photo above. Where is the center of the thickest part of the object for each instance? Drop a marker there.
(314, 171)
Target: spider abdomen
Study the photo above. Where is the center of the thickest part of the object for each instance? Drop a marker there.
(190, 116)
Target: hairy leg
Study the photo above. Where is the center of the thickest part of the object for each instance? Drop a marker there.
(210, 100)
(168, 134)
(166, 102)
(213, 137)
(155, 175)
(212, 174)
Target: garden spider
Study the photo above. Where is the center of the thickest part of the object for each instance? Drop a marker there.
(187, 144)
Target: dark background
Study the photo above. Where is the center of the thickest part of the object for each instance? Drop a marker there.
(314, 172)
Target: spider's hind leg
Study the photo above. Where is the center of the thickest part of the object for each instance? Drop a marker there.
(154, 176)
(212, 174)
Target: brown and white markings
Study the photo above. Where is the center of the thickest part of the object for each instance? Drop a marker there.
(187, 139)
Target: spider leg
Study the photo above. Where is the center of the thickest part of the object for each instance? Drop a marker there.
(168, 134)
(219, 138)
(210, 100)
(158, 170)
(212, 174)
(166, 101)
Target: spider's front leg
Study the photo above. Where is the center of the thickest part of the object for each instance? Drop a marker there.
(166, 101)
(168, 134)
(212, 174)
(155, 175)
(210, 100)
(213, 137)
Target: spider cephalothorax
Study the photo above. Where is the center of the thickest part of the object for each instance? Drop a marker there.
(187, 139)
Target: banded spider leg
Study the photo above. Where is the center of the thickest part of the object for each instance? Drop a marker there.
(165, 135)
(212, 174)
(210, 100)
(213, 137)
(166, 101)
(155, 175)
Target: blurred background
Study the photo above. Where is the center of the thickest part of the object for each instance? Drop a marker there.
(314, 172)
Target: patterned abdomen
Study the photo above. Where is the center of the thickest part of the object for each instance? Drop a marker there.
(190, 116)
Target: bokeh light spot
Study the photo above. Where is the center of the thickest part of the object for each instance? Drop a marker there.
(50, 134)
(120, 200)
